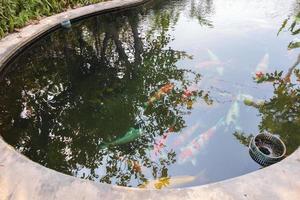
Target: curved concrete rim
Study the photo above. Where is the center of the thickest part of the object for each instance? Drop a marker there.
(21, 178)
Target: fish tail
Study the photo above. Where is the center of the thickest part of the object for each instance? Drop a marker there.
(104, 145)
(221, 122)
(200, 174)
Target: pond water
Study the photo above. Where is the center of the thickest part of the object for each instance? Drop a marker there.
(159, 96)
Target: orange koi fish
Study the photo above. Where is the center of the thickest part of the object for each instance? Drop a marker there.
(167, 88)
(172, 182)
(167, 182)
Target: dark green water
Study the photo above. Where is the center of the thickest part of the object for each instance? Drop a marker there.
(154, 96)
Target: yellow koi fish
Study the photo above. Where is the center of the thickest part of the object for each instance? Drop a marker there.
(168, 182)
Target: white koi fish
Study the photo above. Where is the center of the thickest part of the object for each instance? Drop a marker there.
(213, 57)
(263, 65)
(233, 113)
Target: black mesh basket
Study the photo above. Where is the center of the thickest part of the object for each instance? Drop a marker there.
(266, 149)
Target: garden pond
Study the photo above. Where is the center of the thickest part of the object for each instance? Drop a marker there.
(165, 95)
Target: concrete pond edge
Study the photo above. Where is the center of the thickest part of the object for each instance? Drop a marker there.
(21, 178)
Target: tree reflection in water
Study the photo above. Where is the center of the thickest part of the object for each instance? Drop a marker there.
(77, 89)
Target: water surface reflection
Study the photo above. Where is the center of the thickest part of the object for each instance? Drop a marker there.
(150, 97)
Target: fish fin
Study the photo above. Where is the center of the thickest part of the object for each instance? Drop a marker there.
(200, 174)
(194, 161)
(238, 128)
(220, 71)
(212, 56)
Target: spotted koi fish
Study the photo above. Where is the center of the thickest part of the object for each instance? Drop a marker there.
(164, 90)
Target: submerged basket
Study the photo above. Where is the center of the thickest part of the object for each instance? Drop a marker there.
(266, 149)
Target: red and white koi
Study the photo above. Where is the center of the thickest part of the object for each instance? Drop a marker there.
(189, 152)
(185, 135)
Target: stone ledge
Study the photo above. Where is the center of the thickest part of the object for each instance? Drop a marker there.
(21, 178)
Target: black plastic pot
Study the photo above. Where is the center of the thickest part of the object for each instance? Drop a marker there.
(266, 149)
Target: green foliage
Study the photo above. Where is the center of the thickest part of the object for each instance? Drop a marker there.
(17, 13)
(292, 24)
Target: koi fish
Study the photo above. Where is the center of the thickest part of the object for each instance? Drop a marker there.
(167, 88)
(189, 153)
(158, 146)
(263, 65)
(212, 56)
(172, 182)
(209, 63)
(185, 135)
(168, 182)
(233, 113)
(213, 61)
(130, 136)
